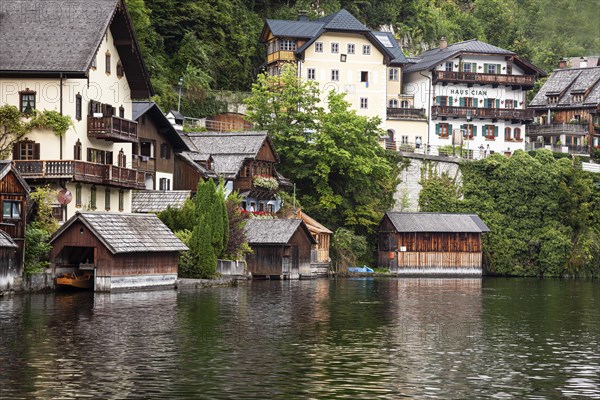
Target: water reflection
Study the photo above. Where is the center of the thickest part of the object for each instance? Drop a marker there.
(350, 338)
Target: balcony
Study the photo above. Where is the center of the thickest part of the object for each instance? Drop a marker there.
(143, 163)
(280, 55)
(524, 81)
(482, 113)
(81, 171)
(569, 148)
(112, 128)
(557, 129)
(406, 113)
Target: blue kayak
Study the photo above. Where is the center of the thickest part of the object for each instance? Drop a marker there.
(363, 269)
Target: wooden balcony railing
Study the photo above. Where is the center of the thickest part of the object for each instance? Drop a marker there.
(280, 55)
(81, 171)
(557, 129)
(143, 163)
(112, 128)
(492, 113)
(406, 113)
(525, 81)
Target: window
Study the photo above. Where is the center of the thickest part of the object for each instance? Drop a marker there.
(364, 76)
(490, 103)
(404, 139)
(77, 150)
(27, 101)
(552, 99)
(78, 195)
(578, 98)
(93, 198)
(99, 156)
(26, 150)
(393, 103)
(507, 133)
(510, 103)
(122, 159)
(147, 149)
(518, 133)
(287, 45)
(404, 104)
(342, 57)
(491, 132)
(449, 66)
(393, 74)
(107, 62)
(165, 151)
(121, 112)
(364, 103)
(491, 68)
(350, 48)
(107, 199)
(470, 130)
(443, 101)
(11, 209)
(120, 71)
(78, 107)
(121, 200)
(335, 48)
(318, 47)
(164, 184)
(468, 67)
(311, 74)
(366, 49)
(443, 130)
(335, 74)
(467, 102)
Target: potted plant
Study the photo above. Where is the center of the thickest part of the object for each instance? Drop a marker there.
(265, 182)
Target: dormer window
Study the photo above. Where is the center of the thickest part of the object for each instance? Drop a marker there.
(107, 62)
(577, 98)
(27, 101)
(120, 72)
(552, 99)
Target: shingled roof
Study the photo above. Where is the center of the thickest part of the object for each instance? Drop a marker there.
(274, 231)
(566, 83)
(126, 233)
(6, 240)
(431, 58)
(436, 222)
(62, 37)
(154, 201)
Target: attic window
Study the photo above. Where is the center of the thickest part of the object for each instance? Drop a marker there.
(107, 62)
(27, 101)
(552, 99)
(578, 98)
(318, 47)
(366, 49)
(120, 72)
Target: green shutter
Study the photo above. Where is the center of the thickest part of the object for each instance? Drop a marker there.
(495, 131)
(450, 101)
(437, 129)
(462, 101)
(486, 68)
(474, 130)
(475, 102)
(498, 68)
(485, 103)
(474, 67)
(437, 100)
(449, 129)
(497, 103)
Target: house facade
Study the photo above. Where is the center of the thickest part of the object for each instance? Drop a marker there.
(567, 111)
(88, 66)
(474, 90)
(342, 54)
(245, 160)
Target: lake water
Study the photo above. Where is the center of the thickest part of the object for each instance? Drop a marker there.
(342, 339)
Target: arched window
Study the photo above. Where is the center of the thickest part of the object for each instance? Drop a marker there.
(391, 135)
(393, 103)
(404, 104)
(506, 133)
(518, 133)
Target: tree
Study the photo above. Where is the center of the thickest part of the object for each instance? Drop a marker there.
(39, 230)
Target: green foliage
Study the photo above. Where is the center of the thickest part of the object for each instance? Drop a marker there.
(179, 219)
(52, 120)
(237, 243)
(186, 262)
(39, 230)
(543, 213)
(348, 250)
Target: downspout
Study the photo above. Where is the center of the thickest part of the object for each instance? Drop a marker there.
(428, 109)
(60, 110)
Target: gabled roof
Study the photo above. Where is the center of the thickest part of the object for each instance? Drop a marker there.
(154, 201)
(431, 58)
(436, 222)
(126, 233)
(188, 158)
(274, 231)
(176, 114)
(566, 83)
(6, 167)
(314, 225)
(62, 37)
(228, 150)
(150, 108)
(6, 240)
(341, 21)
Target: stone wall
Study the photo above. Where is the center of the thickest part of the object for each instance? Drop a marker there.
(416, 166)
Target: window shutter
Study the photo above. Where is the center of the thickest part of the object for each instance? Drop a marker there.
(450, 101)
(168, 151)
(462, 101)
(89, 155)
(498, 68)
(437, 129)
(449, 129)
(495, 131)
(36, 151)
(109, 157)
(437, 100)
(486, 68)
(474, 67)
(497, 103)
(475, 102)
(474, 130)
(16, 151)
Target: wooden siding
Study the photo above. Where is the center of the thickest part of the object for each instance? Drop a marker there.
(185, 176)
(12, 190)
(267, 260)
(266, 153)
(147, 130)
(227, 122)
(438, 260)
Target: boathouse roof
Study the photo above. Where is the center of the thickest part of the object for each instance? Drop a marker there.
(61, 38)
(274, 231)
(6, 240)
(126, 233)
(154, 201)
(436, 222)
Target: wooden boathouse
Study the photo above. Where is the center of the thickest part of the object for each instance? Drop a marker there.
(122, 250)
(431, 243)
(281, 248)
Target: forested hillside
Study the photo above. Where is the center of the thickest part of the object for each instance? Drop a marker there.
(213, 44)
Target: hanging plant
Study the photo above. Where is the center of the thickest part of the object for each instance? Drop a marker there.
(265, 181)
(52, 120)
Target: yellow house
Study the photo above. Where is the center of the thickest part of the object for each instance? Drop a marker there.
(82, 61)
(342, 54)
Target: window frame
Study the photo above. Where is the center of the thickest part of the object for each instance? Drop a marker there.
(93, 197)
(78, 107)
(350, 48)
(366, 49)
(335, 75)
(364, 103)
(13, 204)
(311, 74)
(318, 47)
(107, 199)
(335, 48)
(393, 103)
(78, 201)
(393, 75)
(27, 93)
(107, 60)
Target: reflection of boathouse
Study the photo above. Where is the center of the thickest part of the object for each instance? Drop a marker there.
(118, 250)
(431, 243)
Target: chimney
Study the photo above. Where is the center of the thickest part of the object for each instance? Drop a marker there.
(562, 63)
(443, 43)
(583, 62)
(303, 15)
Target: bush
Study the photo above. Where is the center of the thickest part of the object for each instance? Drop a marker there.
(348, 249)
